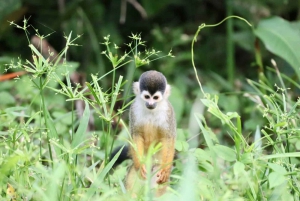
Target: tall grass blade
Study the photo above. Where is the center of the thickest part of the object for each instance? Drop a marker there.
(81, 131)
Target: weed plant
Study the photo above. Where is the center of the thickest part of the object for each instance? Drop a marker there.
(41, 162)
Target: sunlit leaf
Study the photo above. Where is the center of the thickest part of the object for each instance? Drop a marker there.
(282, 39)
(275, 179)
(238, 168)
(181, 145)
(224, 152)
(277, 168)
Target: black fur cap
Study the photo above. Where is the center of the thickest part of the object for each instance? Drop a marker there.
(153, 81)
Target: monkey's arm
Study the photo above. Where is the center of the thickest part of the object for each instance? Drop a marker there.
(167, 156)
(137, 154)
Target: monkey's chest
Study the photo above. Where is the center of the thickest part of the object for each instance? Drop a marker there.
(152, 120)
(152, 134)
(152, 126)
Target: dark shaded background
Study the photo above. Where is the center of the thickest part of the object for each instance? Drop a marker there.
(164, 24)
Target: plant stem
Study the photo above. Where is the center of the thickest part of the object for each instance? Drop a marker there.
(229, 44)
(72, 113)
(41, 88)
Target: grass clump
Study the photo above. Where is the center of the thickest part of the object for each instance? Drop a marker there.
(40, 161)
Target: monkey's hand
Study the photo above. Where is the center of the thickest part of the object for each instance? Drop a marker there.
(163, 175)
(143, 172)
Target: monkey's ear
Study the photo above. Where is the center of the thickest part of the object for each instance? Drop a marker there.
(168, 91)
(136, 89)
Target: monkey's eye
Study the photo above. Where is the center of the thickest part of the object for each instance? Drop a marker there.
(155, 97)
(147, 96)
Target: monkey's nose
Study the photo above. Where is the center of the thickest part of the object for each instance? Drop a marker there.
(150, 106)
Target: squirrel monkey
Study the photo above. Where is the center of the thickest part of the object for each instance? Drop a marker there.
(152, 122)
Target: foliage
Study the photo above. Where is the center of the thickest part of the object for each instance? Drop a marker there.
(280, 41)
(38, 157)
(245, 170)
(249, 136)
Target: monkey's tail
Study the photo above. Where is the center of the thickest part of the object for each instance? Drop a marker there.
(123, 156)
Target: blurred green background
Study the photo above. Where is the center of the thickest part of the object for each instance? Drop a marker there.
(224, 55)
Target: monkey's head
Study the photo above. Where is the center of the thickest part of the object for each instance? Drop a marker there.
(152, 88)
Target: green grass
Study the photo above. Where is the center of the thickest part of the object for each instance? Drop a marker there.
(46, 153)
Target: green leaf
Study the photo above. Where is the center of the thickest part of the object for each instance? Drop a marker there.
(203, 159)
(206, 166)
(181, 145)
(275, 179)
(80, 133)
(202, 155)
(282, 39)
(247, 158)
(277, 168)
(283, 155)
(224, 152)
(238, 168)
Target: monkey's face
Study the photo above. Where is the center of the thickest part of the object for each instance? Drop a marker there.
(151, 89)
(151, 101)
